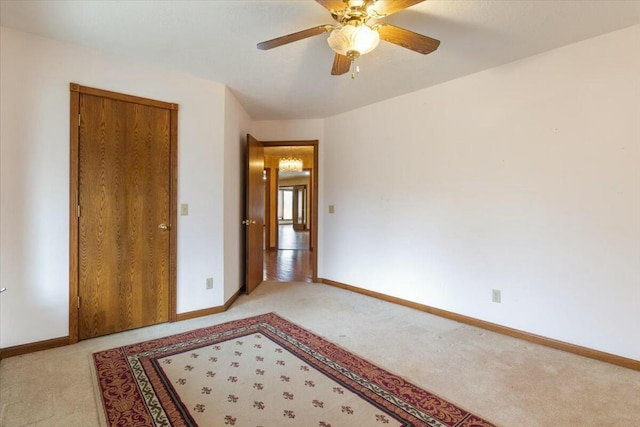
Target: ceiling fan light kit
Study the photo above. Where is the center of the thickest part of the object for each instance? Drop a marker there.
(353, 40)
(354, 36)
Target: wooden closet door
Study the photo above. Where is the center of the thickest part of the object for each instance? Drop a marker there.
(124, 215)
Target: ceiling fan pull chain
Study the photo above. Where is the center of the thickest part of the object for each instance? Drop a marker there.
(355, 69)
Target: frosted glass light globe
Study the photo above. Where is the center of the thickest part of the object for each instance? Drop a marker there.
(361, 39)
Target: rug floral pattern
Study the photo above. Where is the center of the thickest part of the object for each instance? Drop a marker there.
(258, 372)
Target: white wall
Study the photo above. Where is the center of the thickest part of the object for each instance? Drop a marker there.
(287, 130)
(34, 146)
(524, 178)
(237, 126)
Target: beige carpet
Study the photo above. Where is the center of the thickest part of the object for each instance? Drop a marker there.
(505, 380)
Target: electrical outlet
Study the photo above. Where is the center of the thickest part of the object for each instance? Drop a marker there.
(495, 295)
(209, 282)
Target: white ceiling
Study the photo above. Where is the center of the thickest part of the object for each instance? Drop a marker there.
(216, 40)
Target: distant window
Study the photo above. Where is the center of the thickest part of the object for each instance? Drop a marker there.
(285, 204)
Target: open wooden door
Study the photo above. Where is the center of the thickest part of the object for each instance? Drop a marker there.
(254, 221)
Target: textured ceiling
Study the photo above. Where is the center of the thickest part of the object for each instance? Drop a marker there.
(216, 40)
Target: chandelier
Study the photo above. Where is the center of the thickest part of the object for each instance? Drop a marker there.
(290, 164)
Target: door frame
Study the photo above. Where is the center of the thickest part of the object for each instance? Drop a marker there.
(313, 187)
(75, 91)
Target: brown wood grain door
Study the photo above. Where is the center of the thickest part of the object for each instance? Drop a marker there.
(124, 180)
(254, 221)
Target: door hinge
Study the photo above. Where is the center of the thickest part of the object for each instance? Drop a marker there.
(78, 211)
(78, 119)
(78, 302)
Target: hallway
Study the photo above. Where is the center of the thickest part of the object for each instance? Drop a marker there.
(292, 263)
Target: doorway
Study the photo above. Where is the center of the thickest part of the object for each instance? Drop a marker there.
(291, 209)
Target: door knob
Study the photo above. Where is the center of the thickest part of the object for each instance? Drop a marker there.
(248, 222)
(163, 227)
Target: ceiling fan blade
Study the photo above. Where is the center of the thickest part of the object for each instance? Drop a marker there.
(341, 65)
(310, 32)
(407, 39)
(387, 7)
(332, 5)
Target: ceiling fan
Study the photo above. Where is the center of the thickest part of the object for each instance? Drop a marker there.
(358, 31)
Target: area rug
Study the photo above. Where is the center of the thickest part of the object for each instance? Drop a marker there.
(258, 372)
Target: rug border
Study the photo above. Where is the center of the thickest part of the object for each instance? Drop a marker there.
(473, 416)
(97, 393)
(464, 421)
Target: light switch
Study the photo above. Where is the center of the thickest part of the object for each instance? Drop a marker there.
(332, 209)
(184, 209)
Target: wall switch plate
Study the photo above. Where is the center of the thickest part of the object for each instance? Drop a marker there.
(332, 209)
(184, 209)
(209, 282)
(495, 295)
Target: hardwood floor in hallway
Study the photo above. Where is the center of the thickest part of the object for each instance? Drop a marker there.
(293, 263)
(288, 238)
